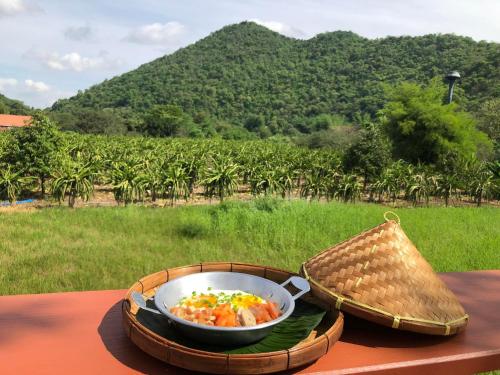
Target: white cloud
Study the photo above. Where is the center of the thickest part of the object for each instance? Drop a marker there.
(7, 82)
(281, 28)
(11, 7)
(37, 86)
(73, 60)
(15, 7)
(157, 33)
(78, 33)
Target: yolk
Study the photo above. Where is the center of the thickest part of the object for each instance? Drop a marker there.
(245, 301)
(202, 301)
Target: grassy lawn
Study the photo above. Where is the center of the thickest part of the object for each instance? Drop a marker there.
(107, 248)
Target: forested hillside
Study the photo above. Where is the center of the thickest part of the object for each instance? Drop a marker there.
(245, 69)
(13, 107)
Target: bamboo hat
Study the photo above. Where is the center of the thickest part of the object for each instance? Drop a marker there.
(379, 275)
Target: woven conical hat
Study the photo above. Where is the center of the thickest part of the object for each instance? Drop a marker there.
(379, 275)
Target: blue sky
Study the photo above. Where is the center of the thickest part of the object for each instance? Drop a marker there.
(51, 49)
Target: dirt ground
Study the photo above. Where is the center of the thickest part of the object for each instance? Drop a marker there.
(103, 197)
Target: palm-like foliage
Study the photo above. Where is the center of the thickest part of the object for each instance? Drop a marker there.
(145, 168)
(152, 178)
(127, 181)
(494, 167)
(332, 185)
(285, 177)
(402, 173)
(349, 188)
(192, 166)
(387, 185)
(221, 178)
(418, 188)
(12, 183)
(447, 187)
(481, 182)
(73, 180)
(314, 185)
(176, 183)
(265, 181)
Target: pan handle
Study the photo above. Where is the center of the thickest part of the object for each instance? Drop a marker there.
(300, 283)
(139, 300)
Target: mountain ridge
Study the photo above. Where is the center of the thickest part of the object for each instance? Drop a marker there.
(246, 69)
(13, 107)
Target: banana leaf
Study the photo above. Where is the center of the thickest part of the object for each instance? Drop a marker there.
(285, 335)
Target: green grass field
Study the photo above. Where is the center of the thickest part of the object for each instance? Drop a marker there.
(106, 248)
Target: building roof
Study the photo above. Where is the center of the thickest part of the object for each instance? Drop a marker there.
(14, 120)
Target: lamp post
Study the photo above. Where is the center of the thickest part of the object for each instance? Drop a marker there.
(451, 78)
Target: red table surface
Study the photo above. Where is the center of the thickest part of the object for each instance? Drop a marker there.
(81, 332)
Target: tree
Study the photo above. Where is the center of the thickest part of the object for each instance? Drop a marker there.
(254, 123)
(164, 121)
(369, 155)
(339, 138)
(227, 131)
(13, 107)
(36, 148)
(5, 144)
(362, 119)
(98, 122)
(205, 123)
(321, 122)
(422, 129)
(488, 117)
(3, 108)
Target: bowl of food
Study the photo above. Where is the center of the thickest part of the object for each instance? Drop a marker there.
(227, 308)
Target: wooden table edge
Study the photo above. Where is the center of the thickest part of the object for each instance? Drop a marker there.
(415, 364)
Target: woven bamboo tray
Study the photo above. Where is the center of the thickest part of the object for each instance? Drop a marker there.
(379, 275)
(307, 351)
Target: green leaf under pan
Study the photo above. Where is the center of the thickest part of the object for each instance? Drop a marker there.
(304, 319)
(289, 332)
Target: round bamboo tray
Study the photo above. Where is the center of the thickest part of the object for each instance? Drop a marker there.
(307, 351)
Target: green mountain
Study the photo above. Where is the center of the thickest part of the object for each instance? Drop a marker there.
(246, 69)
(13, 107)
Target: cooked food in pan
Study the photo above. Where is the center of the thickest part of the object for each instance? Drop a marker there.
(226, 308)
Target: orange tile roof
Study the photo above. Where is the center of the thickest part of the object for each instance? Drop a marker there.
(14, 120)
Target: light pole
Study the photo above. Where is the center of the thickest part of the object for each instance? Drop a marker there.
(451, 78)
